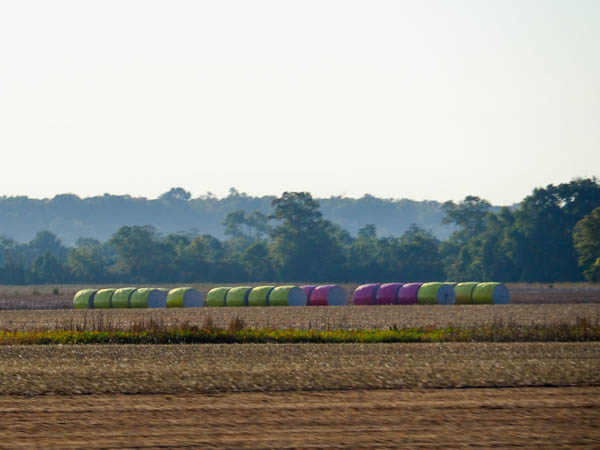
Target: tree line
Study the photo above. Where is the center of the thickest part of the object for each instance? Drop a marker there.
(554, 235)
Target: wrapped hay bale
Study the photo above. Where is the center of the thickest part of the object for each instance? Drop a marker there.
(328, 295)
(387, 294)
(287, 296)
(184, 297)
(490, 294)
(308, 291)
(407, 294)
(121, 297)
(238, 296)
(103, 298)
(259, 296)
(216, 296)
(148, 298)
(365, 294)
(436, 294)
(464, 292)
(84, 299)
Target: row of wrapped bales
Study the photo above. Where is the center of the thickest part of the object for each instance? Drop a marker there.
(131, 297)
(434, 293)
(276, 296)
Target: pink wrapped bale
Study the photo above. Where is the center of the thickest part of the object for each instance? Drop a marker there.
(365, 294)
(308, 290)
(387, 294)
(328, 295)
(407, 294)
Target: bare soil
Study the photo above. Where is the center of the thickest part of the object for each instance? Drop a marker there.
(435, 418)
(322, 318)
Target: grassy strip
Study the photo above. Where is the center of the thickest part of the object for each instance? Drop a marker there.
(581, 332)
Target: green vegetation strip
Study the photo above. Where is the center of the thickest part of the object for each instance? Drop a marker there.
(571, 333)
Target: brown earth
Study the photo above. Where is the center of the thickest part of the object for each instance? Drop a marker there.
(435, 418)
(323, 318)
(61, 296)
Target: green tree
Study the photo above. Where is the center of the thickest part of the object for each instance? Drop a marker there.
(587, 244)
(304, 246)
(46, 269)
(87, 263)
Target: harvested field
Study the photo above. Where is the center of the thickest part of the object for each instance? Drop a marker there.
(61, 297)
(524, 417)
(321, 318)
(153, 369)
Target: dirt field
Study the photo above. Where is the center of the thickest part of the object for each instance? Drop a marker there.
(437, 418)
(61, 297)
(348, 317)
(213, 368)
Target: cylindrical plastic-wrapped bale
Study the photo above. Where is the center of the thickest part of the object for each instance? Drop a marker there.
(365, 294)
(328, 295)
(407, 294)
(84, 299)
(387, 294)
(287, 296)
(464, 292)
(238, 296)
(103, 298)
(216, 296)
(259, 296)
(308, 291)
(122, 296)
(491, 293)
(184, 297)
(436, 294)
(148, 298)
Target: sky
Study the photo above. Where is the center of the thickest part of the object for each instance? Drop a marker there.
(415, 99)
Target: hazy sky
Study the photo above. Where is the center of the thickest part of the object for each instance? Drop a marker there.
(419, 99)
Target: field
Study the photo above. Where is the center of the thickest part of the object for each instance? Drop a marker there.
(434, 395)
(61, 296)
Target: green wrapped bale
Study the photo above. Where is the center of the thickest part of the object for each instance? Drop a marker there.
(121, 297)
(287, 296)
(184, 297)
(238, 296)
(148, 298)
(436, 294)
(216, 296)
(259, 296)
(491, 294)
(84, 299)
(464, 292)
(103, 298)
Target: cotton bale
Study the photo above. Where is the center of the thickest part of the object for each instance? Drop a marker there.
(216, 296)
(238, 296)
(436, 294)
(308, 291)
(407, 294)
(365, 294)
(121, 297)
(464, 292)
(387, 294)
(491, 294)
(259, 296)
(287, 296)
(84, 299)
(103, 298)
(148, 298)
(328, 294)
(184, 297)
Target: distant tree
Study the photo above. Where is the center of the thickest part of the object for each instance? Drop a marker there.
(257, 262)
(468, 215)
(46, 269)
(87, 263)
(587, 244)
(304, 246)
(12, 264)
(176, 194)
(45, 242)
